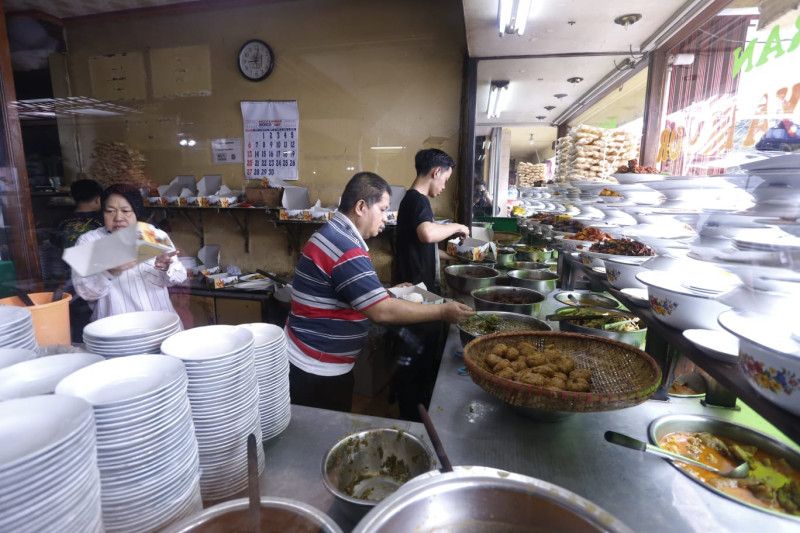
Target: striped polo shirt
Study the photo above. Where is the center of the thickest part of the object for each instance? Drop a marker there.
(334, 283)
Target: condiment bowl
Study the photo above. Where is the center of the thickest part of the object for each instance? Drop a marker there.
(538, 280)
(678, 306)
(484, 299)
(459, 281)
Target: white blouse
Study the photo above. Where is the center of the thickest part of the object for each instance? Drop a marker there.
(141, 288)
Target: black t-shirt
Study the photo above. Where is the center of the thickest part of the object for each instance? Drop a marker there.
(415, 261)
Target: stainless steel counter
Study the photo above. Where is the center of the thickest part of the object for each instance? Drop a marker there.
(645, 492)
(294, 458)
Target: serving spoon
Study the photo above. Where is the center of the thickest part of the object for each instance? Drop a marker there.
(619, 439)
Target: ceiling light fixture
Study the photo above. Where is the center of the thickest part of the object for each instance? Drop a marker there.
(628, 19)
(540, 117)
(386, 147)
(549, 107)
(575, 79)
(560, 95)
(512, 16)
(498, 98)
(530, 139)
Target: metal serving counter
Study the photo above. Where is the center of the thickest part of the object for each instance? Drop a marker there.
(644, 492)
(294, 458)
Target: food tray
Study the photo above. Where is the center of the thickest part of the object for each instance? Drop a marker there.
(622, 376)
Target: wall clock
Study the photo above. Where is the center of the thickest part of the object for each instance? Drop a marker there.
(256, 60)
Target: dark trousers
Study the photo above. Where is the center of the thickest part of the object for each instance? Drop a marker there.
(416, 372)
(325, 392)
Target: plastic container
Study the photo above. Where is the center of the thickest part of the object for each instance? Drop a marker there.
(50, 319)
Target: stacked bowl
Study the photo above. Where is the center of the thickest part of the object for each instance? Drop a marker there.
(146, 447)
(130, 333)
(223, 392)
(12, 356)
(18, 328)
(48, 467)
(272, 371)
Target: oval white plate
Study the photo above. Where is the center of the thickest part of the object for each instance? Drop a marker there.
(717, 344)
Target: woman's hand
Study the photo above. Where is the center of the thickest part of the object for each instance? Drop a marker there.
(163, 260)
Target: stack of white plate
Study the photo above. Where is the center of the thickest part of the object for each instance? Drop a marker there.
(40, 376)
(17, 329)
(130, 333)
(146, 447)
(272, 369)
(223, 391)
(12, 356)
(48, 466)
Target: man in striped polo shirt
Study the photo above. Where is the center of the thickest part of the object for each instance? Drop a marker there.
(335, 294)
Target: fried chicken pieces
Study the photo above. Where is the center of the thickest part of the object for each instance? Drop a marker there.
(521, 362)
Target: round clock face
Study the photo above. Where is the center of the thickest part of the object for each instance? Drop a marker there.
(256, 60)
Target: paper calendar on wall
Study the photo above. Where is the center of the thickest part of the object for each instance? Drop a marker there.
(270, 139)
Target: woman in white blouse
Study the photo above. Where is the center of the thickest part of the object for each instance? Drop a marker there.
(133, 286)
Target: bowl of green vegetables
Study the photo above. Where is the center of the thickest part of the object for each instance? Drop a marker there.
(611, 324)
(486, 322)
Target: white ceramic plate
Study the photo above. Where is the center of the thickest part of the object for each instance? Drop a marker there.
(123, 379)
(40, 376)
(717, 344)
(11, 356)
(30, 426)
(131, 325)
(207, 342)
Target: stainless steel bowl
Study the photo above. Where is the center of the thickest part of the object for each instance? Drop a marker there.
(530, 322)
(529, 265)
(665, 425)
(539, 280)
(277, 514)
(364, 468)
(538, 256)
(483, 303)
(505, 258)
(634, 338)
(591, 299)
(458, 280)
(477, 498)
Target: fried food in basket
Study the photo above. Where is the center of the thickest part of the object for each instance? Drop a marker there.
(521, 362)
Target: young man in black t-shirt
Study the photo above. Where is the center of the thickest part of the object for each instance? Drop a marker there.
(415, 261)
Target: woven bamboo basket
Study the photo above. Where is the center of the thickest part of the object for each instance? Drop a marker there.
(622, 376)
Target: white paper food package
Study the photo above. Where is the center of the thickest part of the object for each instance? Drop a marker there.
(416, 293)
(138, 243)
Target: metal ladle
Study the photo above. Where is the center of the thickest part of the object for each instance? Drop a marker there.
(619, 439)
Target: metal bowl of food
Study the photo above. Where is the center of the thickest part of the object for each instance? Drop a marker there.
(477, 498)
(504, 238)
(509, 299)
(530, 265)
(277, 514)
(616, 325)
(466, 278)
(533, 254)
(364, 468)
(586, 298)
(768, 486)
(486, 322)
(538, 280)
(506, 257)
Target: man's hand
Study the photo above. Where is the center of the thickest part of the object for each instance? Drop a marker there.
(163, 260)
(122, 268)
(461, 230)
(456, 312)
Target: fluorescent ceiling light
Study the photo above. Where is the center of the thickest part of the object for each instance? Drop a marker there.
(512, 16)
(386, 147)
(738, 11)
(498, 98)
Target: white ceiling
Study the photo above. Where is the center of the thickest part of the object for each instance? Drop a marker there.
(521, 147)
(533, 84)
(77, 8)
(548, 32)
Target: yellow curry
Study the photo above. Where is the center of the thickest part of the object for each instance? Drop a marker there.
(772, 483)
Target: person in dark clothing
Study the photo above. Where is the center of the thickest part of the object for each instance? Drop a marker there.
(86, 217)
(417, 236)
